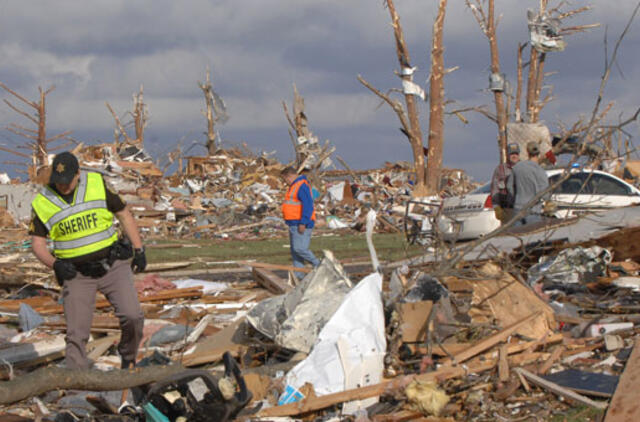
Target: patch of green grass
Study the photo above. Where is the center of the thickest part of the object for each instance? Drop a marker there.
(351, 247)
(579, 414)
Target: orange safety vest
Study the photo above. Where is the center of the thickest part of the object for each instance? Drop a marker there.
(291, 207)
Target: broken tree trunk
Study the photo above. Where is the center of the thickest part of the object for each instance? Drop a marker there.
(487, 23)
(501, 112)
(436, 104)
(207, 90)
(299, 124)
(53, 378)
(39, 144)
(140, 116)
(415, 132)
(518, 99)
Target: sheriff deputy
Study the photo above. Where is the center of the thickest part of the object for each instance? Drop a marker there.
(75, 210)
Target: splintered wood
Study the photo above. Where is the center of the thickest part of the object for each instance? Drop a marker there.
(507, 300)
(624, 405)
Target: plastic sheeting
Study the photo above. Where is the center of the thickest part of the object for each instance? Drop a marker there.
(28, 318)
(351, 346)
(295, 319)
(544, 32)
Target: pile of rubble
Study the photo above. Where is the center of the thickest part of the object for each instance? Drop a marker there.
(513, 331)
(534, 324)
(236, 193)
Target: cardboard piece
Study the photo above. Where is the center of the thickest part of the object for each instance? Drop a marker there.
(508, 300)
(414, 320)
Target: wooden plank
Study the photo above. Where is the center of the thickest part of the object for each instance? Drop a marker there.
(310, 404)
(96, 348)
(491, 341)
(512, 348)
(166, 266)
(414, 317)
(270, 281)
(98, 322)
(503, 365)
(275, 266)
(13, 305)
(561, 391)
(190, 292)
(508, 300)
(624, 405)
(212, 349)
(456, 285)
(556, 353)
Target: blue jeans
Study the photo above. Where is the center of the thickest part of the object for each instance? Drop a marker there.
(300, 248)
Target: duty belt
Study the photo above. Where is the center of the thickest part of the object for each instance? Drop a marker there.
(121, 250)
(95, 269)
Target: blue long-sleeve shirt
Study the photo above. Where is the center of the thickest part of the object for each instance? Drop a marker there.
(304, 196)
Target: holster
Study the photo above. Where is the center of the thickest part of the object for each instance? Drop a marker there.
(120, 250)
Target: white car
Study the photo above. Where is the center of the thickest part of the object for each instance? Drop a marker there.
(471, 216)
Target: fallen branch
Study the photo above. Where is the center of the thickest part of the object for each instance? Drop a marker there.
(54, 378)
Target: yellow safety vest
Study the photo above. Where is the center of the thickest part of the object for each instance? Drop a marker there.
(79, 228)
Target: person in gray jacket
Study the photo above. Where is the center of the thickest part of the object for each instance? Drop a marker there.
(526, 181)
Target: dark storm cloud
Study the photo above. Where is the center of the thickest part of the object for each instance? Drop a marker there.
(104, 50)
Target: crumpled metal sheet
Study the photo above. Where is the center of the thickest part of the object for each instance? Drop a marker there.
(571, 265)
(294, 320)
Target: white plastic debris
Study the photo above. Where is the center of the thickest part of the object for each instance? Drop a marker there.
(334, 222)
(632, 283)
(208, 287)
(597, 330)
(336, 192)
(351, 346)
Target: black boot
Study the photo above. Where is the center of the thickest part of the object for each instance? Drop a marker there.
(128, 364)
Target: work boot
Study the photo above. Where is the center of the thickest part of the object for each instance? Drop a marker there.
(127, 364)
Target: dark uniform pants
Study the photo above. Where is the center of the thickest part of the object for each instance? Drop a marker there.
(79, 295)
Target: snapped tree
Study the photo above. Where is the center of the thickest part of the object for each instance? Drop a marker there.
(38, 143)
(427, 179)
(139, 120)
(216, 113)
(309, 154)
(545, 36)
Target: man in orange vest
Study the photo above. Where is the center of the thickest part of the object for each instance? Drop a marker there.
(298, 213)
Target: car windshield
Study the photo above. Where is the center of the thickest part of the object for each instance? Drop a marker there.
(590, 184)
(486, 188)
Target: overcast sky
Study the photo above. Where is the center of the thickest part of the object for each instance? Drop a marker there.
(97, 51)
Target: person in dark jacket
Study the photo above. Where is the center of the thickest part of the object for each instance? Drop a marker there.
(528, 180)
(500, 198)
(299, 214)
